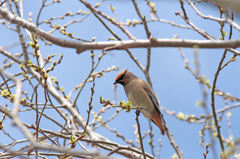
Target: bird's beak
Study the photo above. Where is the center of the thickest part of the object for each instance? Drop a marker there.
(115, 83)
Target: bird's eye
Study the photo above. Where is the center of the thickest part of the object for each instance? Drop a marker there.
(121, 77)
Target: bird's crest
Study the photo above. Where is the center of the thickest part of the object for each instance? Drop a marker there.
(121, 75)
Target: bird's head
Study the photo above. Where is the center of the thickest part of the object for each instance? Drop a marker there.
(124, 77)
(121, 77)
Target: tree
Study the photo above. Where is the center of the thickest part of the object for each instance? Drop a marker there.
(59, 60)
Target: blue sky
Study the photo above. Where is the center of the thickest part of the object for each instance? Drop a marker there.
(175, 87)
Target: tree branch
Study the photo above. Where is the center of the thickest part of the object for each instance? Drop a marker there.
(139, 134)
(213, 101)
(173, 143)
(18, 90)
(119, 45)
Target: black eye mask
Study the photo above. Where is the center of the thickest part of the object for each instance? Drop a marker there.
(122, 76)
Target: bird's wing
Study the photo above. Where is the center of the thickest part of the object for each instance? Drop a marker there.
(156, 118)
(153, 99)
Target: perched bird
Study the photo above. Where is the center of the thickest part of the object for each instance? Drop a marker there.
(141, 95)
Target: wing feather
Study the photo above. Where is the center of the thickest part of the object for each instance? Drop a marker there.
(153, 99)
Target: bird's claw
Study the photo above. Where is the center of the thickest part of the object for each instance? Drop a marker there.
(137, 112)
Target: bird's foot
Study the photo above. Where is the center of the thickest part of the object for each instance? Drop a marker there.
(137, 112)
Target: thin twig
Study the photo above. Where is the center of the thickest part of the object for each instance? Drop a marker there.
(173, 143)
(118, 38)
(200, 31)
(139, 134)
(18, 90)
(219, 20)
(219, 135)
(148, 34)
(2, 2)
(151, 137)
(89, 109)
(40, 11)
(113, 21)
(213, 101)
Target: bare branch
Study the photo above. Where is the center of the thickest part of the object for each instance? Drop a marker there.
(119, 45)
(173, 143)
(2, 2)
(213, 101)
(220, 20)
(139, 134)
(18, 90)
(113, 21)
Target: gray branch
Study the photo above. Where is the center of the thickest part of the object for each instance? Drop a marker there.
(118, 45)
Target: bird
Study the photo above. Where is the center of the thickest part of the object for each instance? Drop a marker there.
(141, 95)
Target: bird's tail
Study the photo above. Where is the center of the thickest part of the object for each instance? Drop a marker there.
(157, 118)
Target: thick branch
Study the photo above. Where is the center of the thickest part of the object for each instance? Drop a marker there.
(120, 45)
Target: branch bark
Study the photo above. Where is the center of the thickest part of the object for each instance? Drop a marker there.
(118, 45)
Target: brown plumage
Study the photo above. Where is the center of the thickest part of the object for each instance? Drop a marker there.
(141, 95)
